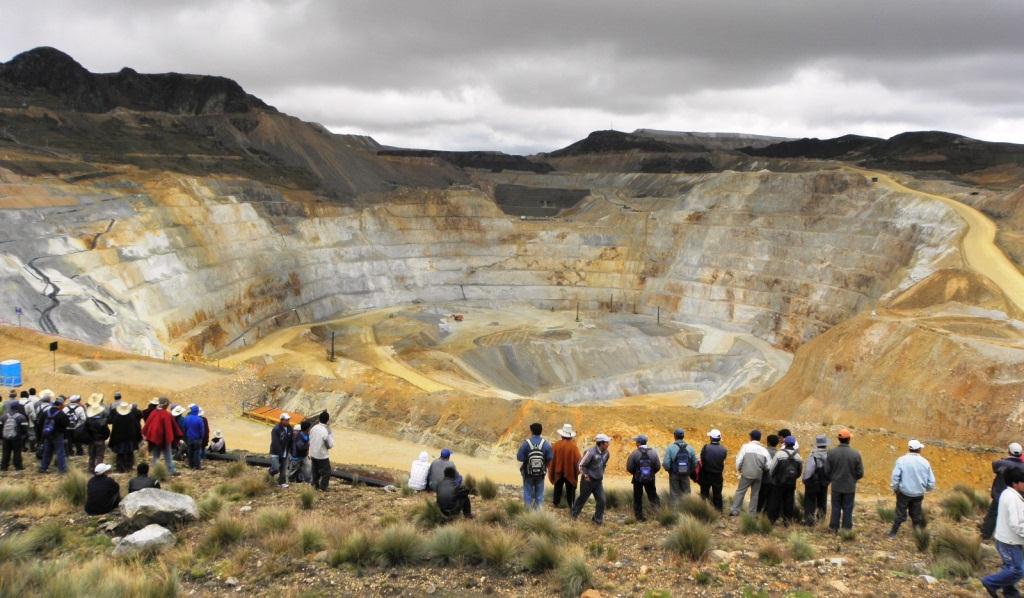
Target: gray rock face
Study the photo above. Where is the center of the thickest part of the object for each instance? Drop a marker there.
(152, 505)
(153, 538)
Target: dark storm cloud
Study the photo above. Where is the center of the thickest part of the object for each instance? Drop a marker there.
(534, 75)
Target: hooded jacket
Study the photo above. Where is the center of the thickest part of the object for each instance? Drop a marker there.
(161, 429)
(999, 468)
(281, 439)
(194, 427)
(565, 461)
(418, 472)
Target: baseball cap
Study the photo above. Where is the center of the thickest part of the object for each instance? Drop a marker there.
(715, 434)
(679, 433)
(1015, 449)
(285, 416)
(445, 453)
(641, 439)
(915, 445)
(602, 438)
(789, 441)
(844, 434)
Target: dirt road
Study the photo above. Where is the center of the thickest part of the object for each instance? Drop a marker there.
(979, 244)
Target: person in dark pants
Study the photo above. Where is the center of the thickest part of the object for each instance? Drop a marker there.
(844, 468)
(767, 489)
(592, 467)
(999, 468)
(680, 461)
(14, 429)
(98, 432)
(453, 498)
(563, 471)
(53, 425)
(784, 471)
(195, 430)
(280, 448)
(125, 435)
(816, 483)
(643, 465)
(320, 443)
(712, 466)
(912, 476)
(1008, 537)
(102, 494)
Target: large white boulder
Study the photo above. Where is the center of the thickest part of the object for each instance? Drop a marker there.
(152, 538)
(152, 505)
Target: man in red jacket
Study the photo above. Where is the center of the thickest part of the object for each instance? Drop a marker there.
(162, 432)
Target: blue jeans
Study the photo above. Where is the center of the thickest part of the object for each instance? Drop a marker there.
(156, 451)
(54, 445)
(1013, 569)
(533, 492)
(842, 505)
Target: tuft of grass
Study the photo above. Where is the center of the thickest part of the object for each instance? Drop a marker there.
(954, 546)
(469, 483)
(181, 488)
(494, 517)
(922, 538)
(945, 568)
(18, 496)
(703, 578)
(281, 543)
(595, 549)
(224, 532)
(513, 508)
(400, 544)
(428, 514)
(847, 535)
(699, 508)
(356, 549)
(541, 554)
(159, 472)
(667, 517)
(487, 488)
(957, 506)
(770, 554)
(236, 468)
(210, 506)
(499, 548)
(37, 539)
(311, 538)
(617, 499)
(540, 523)
(307, 497)
(450, 545)
(73, 487)
(977, 499)
(254, 484)
(228, 491)
(886, 514)
(750, 524)
(690, 539)
(270, 521)
(94, 578)
(574, 576)
(799, 547)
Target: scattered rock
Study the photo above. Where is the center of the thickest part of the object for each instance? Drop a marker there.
(245, 509)
(644, 569)
(839, 586)
(150, 538)
(928, 579)
(591, 594)
(231, 581)
(152, 505)
(837, 561)
(720, 556)
(390, 488)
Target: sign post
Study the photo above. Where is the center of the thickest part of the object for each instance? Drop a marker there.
(17, 312)
(53, 349)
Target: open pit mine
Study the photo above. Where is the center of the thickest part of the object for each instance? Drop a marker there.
(182, 237)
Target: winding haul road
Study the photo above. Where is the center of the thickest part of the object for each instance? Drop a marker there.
(978, 245)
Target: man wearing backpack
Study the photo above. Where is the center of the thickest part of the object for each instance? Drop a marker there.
(643, 465)
(14, 427)
(816, 483)
(712, 466)
(76, 436)
(301, 468)
(844, 467)
(680, 462)
(98, 432)
(52, 428)
(592, 467)
(534, 453)
(751, 463)
(785, 470)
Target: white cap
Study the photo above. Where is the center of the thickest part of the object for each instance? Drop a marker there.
(1015, 449)
(102, 468)
(602, 438)
(285, 416)
(915, 445)
(715, 433)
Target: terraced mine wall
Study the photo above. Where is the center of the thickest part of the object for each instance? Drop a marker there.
(166, 264)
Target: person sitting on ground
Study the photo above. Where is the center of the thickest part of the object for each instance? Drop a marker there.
(564, 469)
(912, 476)
(142, 479)
(452, 496)
(418, 472)
(102, 494)
(643, 465)
(436, 473)
(217, 444)
(999, 468)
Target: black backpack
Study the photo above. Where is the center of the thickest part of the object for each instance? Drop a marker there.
(50, 422)
(681, 465)
(787, 472)
(645, 467)
(818, 477)
(535, 466)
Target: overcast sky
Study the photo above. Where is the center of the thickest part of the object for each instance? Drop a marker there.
(525, 76)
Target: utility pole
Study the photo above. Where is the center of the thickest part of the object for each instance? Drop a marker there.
(332, 345)
(659, 315)
(17, 311)
(577, 310)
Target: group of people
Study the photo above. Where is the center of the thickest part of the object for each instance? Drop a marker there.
(301, 452)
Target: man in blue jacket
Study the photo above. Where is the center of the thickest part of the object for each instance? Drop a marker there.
(534, 453)
(911, 478)
(195, 430)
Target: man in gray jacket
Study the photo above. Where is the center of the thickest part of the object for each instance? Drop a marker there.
(592, 466)
(844, 467)
(751, 463)
(816, 482)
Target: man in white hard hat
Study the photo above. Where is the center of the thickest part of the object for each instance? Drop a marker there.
(280, 448)
(912, 476)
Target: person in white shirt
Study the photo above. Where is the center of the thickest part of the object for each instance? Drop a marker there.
(751, 463)
(1009, 537)
(321, 441)
(418, 472)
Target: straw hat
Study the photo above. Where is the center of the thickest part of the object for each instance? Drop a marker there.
(93, 410)
(567, 431)
(124, 407)
(95, 398)
(177, 410)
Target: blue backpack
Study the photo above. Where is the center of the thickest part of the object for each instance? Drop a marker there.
(681, 465)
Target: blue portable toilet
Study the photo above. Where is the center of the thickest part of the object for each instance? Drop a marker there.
(10, 373)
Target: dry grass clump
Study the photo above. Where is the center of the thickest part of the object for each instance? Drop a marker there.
(210, 506)
(312, 537)
(487, 489)
(17, 496)
(540, 523)
(959, 551)
(307, 497)
(770, 554)
(159, 471)
(618, 498)
(499, 547)
(254, 484)
(270, 521)
(428, 514)
(37, 539)
(455, 544)
(690, 539)
(400, 544)
(750, 524)
(957, 506)
(799, 547)
(886, 514)
(513, 508)
(574, 575)
(922, 539)
(978, 499)
(223, 532)
(541, 554)
(236, 468)
(73, 487)
(98, 578)
(281, 543)
(699, 508)
(356, 549)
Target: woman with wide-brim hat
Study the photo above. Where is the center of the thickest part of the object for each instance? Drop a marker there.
(125, 435)
(97, 431)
